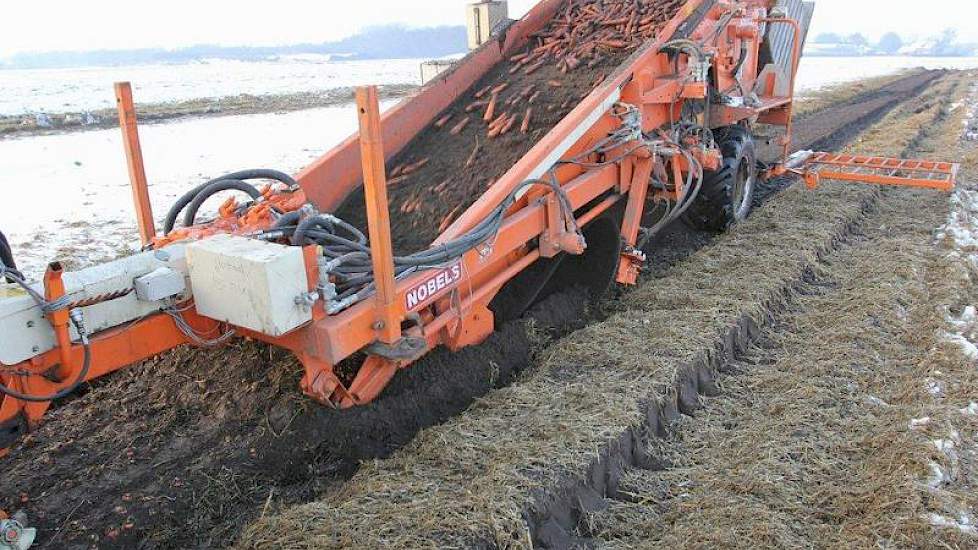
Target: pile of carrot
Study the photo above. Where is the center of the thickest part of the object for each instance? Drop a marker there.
(582, 33)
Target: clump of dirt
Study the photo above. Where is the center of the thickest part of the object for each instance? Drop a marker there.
(443, 171)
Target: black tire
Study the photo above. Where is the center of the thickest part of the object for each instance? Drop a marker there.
(727, 195)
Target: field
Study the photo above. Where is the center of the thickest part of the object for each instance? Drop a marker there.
(803, 381)
(800, 381)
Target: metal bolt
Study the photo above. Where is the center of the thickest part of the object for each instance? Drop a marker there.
(35, 349)
(30, 324)
(379, 325)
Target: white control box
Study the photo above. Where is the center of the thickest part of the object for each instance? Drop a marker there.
(249, 283)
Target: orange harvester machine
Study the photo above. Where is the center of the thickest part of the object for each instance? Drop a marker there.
(280, 269)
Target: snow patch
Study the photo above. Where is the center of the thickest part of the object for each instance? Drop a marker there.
(934, 387)
(917, 423)
(938, 476)
(963, 522)
(961, 229)
(876, 401)
(965, 332)
(970, 410)
(969, 349)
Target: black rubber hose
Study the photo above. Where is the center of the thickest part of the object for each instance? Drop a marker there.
(86, 365)
(288, 220)
(307, 225)
(189, 196)
(7, 256)
(224, 185)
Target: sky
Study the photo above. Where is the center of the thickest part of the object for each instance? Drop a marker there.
(45, 25)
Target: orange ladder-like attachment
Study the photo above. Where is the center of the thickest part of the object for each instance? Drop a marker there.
(925, 174)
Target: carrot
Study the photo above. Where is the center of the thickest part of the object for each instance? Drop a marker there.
(499, 120)
(508, 125)
(482, 92)
(499, 88)
(443, 120)
(525, 127)
(533, 68)
(491, 109)
(474, 155)
(412, 168)
(475, 105)
(460, 126)
(447, 220)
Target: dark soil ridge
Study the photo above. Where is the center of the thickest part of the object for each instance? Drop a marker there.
(286, 452)
(555, 517)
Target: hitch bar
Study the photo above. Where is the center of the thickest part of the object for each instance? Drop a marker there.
(924, 174)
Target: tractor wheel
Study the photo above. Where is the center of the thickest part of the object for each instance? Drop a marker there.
(727, 195)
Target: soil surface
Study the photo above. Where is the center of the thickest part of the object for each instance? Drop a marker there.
(182, 451)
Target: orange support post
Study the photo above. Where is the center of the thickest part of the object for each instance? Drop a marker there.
(54, 289)
(387, 324)
(134, 158)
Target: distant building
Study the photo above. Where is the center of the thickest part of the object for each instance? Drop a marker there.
(923, 47)
(840, 49)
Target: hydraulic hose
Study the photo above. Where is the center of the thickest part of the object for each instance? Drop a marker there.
(289, 219)
(224, 185)
(244, 175)
(7, 263)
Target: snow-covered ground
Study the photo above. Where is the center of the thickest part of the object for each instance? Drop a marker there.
(90, 88)
(819, 72)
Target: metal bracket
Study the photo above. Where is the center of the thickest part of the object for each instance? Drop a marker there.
(407, 348)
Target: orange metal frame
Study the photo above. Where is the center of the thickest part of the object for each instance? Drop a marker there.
(925, 174)
(134, 160)
(459, 316)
